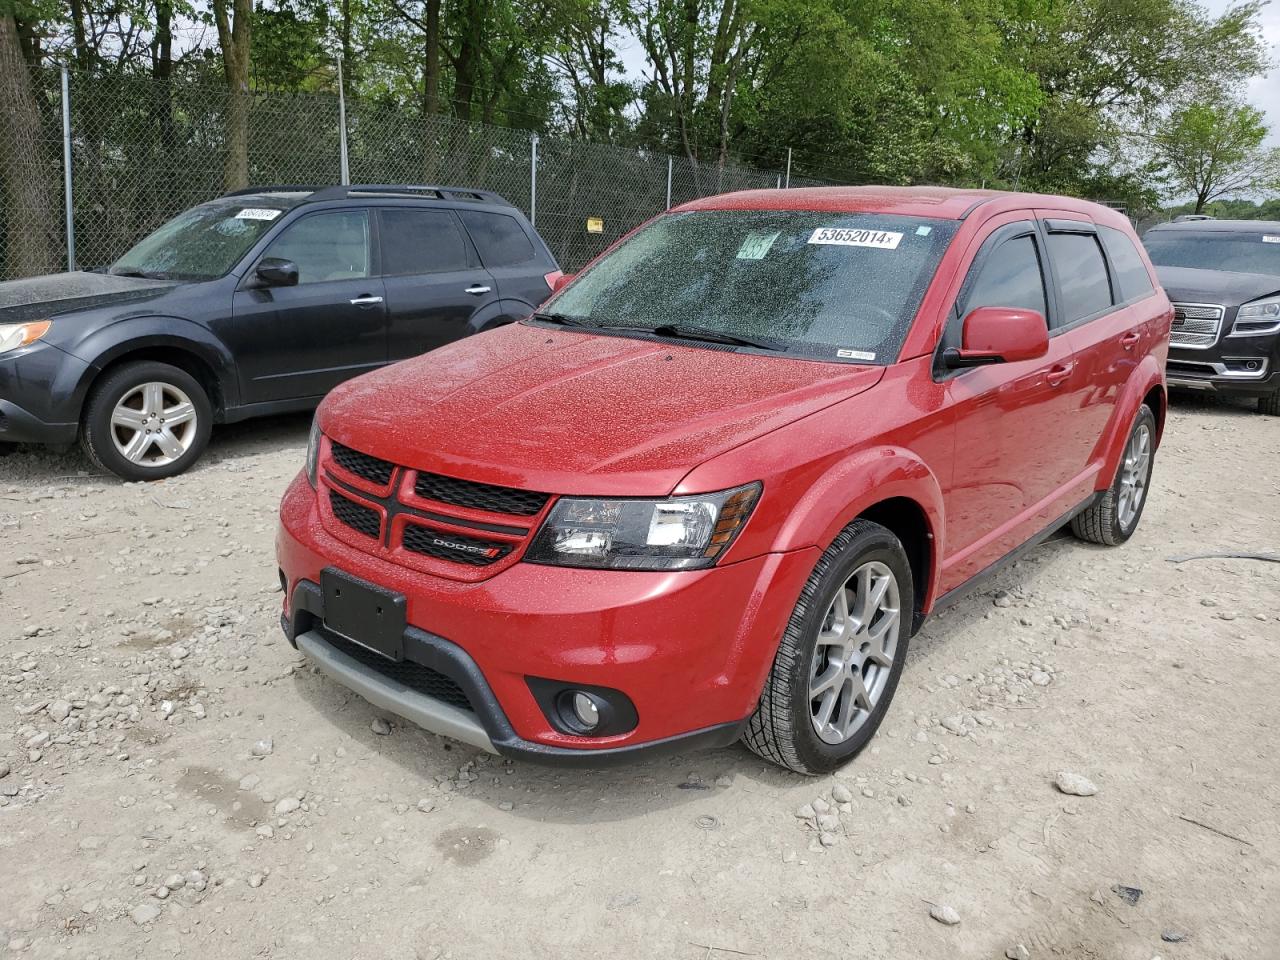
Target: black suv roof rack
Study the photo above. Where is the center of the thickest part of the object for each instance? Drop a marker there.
(432, 191)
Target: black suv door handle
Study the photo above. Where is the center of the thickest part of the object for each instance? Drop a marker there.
(476, 289)
(366, 300)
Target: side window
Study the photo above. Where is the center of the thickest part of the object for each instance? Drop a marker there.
(326, 246)
(1010, 277)
(420, 241)
(499, 238)
(1131, 272)
(1083, 284)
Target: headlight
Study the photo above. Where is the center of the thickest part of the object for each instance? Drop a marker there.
(15, 335)
(313, 450)
(1261, 316)
(678, 533)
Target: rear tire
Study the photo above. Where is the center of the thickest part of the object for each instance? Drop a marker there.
(1270, 404)
(840, 656)
(1114, 516)
(146, 421)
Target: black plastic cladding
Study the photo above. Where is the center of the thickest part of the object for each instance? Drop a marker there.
(362, 464)
(479, 496)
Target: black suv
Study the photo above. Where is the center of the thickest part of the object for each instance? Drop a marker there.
(1223, 277)
(256, 303)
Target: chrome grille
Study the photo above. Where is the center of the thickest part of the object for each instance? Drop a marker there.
(1196, 325)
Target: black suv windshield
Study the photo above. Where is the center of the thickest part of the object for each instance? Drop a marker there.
(1216, 250)
(829, 286)
(204, 242)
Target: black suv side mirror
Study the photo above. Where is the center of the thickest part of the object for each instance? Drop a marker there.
(276, 272)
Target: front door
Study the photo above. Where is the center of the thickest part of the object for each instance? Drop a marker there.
(302, 341)
(435, 285)
(1011, 472)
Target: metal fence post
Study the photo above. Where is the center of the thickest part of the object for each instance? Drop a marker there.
(670, 161)
(344, 168)
(533, 180)
(788, 181)
(66, 169)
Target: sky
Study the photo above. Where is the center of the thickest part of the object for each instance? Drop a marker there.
(1263, 92)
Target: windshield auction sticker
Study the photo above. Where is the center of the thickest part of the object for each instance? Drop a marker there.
(843, 237)
(1269, 239)
(257, 213)
(756, 245)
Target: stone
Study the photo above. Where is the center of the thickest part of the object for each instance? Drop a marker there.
(255, 880)
(841, 794)
(287, 806)
(380, 727)
(425, 805)
(144, 913)
(1018, 951)
(250, 781)
(1173, 936)
(820, 806)
(262, 748)
(59, 710)
(4, 769)
(829, 823)
(806, 812)
(944, 914)
(1075, 785)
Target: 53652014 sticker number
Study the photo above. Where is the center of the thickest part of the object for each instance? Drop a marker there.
(841, 236)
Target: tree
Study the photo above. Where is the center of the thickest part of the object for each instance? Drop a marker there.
(29, 211)
(1213, 148)
(234, 20)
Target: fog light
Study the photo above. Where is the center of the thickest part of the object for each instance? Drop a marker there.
(585, 711)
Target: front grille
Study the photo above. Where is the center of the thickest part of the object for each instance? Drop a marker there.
(1196, 325)
(415, 676)
(479, 496)
(357, 516)
(451, 546)
(362, 464)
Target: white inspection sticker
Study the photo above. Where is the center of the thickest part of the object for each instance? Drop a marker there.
(1271, 239)
(257, 213)
(841, 236)
(855, 355)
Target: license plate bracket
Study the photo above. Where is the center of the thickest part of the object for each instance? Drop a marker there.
(364, 613)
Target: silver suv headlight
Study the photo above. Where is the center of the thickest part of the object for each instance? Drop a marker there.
(676, 533)
(1257, 318)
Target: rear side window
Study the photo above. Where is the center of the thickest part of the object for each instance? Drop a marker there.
(1082, 275)
(1131, 272)
(499, 238)
(420, 241)
(1010, 277)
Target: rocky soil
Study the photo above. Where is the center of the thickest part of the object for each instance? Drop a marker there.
(1081, 761)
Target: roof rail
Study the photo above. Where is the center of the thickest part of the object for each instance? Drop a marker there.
(405, 190)
(275, 188)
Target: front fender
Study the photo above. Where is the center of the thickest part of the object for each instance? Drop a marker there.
(105, 345)
(497, 313)
(1148, 375)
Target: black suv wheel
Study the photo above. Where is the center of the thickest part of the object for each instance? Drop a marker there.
(146, 420)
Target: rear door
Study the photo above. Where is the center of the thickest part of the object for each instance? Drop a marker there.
(434, 282)
(299, 342)
(1011, 475)
(518, 264)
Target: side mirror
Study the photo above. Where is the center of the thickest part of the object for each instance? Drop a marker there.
(275, 272)
(561, 281)
(1000, 335)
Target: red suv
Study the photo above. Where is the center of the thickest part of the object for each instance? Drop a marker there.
(713, 489)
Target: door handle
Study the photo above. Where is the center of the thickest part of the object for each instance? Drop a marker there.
(1129, 339)
(366, 301)
(476, 289)
(1058, 374)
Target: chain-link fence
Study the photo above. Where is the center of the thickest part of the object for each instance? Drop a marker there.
(143, 150)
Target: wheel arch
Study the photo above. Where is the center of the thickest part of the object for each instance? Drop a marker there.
(1146, 385)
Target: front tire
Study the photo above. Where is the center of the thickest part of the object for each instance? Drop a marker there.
(840, 658)
(1270, 404)
(1113, 518)
(146, 421)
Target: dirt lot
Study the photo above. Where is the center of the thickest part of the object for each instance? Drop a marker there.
(142, 665)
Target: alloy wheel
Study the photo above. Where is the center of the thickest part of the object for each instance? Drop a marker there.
(153, 424)
(1134, 472)
(854, 652)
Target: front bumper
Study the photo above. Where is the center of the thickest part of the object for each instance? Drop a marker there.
(690, 649)
(1245, 366)
(41, 390)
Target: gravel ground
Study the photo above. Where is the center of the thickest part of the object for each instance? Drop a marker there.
(1080, 762)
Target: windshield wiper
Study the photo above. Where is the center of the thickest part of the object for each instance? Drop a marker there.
(684, 332)
(565, 320)
(142, 274)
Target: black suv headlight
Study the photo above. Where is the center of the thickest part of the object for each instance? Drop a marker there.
(313, 451)
(675, 533)
(1257, 318)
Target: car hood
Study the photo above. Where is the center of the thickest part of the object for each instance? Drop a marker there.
(566, 412)
(39, 298)
(1193, 285)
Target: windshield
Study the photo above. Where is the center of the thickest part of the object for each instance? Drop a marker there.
(203, 243)
(829, 286)
(1216, 250)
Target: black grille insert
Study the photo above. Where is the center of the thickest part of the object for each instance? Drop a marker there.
(415, 676)
(357, 516)
(452, 546)
(362, 464)
(479, 496)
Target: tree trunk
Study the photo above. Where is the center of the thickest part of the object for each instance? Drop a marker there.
(25, 178)
(234, 38)
(431, 66)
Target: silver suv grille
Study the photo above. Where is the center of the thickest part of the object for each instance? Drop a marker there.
(1196, 325)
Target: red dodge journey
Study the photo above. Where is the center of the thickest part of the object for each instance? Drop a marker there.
(715, 485)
